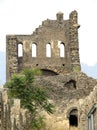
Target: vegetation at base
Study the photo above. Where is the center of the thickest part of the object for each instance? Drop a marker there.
(33, 98)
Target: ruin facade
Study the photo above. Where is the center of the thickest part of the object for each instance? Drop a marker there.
(54, 49)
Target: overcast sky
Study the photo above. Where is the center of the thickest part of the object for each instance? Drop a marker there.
(23, 16)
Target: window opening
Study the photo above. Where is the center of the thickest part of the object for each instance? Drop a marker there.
(62, 49)
(34, 50)
(71, 84)
(20, 50)
(48, 50)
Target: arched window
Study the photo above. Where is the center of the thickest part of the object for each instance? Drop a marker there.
(48, 50)
(20, 50)
(34, 50)
(62, 49)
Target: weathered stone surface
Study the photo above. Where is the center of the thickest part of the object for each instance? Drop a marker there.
(12, 117)
(68, 92)
(54, 32)
(72, 92)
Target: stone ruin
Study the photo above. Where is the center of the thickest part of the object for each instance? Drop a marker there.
(54, 49)
(12, 117)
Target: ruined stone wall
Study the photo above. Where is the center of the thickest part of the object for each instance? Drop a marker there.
(69, 92)
(53, 32)
(72, 85)
(11, 56)
(73, 91)
(12, 117)
(85, 107)
(74, 48)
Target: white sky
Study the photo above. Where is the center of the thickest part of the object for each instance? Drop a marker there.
(23, 16)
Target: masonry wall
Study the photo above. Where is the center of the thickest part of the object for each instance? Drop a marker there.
(12, 116)
(69, 89)
(53, 32)
(71, 92)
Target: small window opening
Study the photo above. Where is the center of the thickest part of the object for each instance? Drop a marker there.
(62, 49)
(63, 64)
(34, 50)
(20, 50)
(36, 64)
(48, 50)
(71, 84)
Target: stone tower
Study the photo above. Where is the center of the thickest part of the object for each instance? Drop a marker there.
(53, 48)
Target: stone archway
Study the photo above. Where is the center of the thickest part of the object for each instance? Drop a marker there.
(47, 72)
(73, 119)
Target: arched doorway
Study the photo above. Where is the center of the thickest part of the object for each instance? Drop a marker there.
(73, 119)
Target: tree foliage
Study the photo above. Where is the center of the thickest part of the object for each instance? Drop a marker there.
(32, 97)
